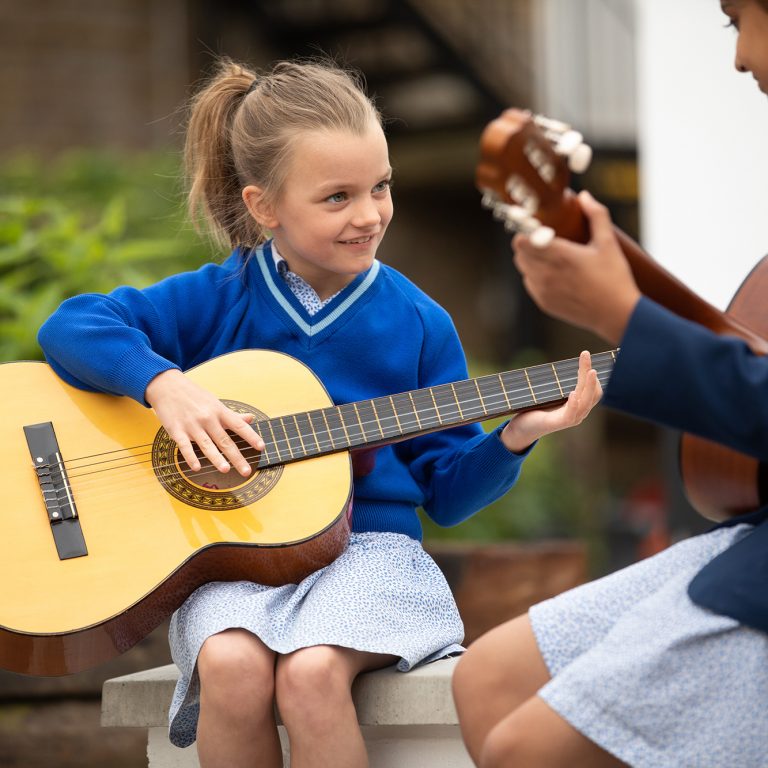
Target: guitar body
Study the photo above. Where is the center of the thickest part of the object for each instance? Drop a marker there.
(154, 531)
(719, 482)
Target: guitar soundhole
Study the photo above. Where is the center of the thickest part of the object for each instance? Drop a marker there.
(208, 488)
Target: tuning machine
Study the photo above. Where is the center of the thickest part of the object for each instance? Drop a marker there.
(566, 142)
(517, 218)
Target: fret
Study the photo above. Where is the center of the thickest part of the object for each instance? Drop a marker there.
(386, 417)
(415, 409)
(480, 396)
(557, 379)
(424, 400)
(281, 439)
(291, 436)
(275, 440)
(304, 424)
(375, 413)
(397, 416)
(321, 430)
(301, 437)
(336, 428)
(367, 417)
(466, 393)
(445, 401)
(353, 427)
(547, 389)
(515, 386)
(456, 398)
(258, 428)
(434, 403)
(495, 398)
(504, 390)
(530, 386)
(406, 413)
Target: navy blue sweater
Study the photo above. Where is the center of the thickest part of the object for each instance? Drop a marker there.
(677, 373)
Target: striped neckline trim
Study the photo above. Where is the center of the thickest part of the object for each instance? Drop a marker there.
(312, 329)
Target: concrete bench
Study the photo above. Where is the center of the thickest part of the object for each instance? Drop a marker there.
(407, 719)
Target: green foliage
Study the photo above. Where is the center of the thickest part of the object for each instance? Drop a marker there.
(87, 222)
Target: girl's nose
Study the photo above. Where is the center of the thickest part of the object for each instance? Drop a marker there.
(366, 214)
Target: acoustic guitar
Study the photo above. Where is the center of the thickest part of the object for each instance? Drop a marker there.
(524, 175)
(106, 530)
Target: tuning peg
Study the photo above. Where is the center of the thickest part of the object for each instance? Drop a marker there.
(571, 145)
(489, 199)
(580, 159)
(566, 142)
(542, 237)
(517, 219)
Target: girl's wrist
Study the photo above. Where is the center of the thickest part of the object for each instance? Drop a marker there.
(154, 389)
(514, 441)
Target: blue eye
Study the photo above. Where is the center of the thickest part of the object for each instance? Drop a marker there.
(383, 185)
(337, 197)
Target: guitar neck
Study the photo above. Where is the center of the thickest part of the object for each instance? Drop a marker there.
(389, 419)
(663, 287)
(653, 280)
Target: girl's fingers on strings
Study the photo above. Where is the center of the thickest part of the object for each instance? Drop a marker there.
(188, 452)
(207, 445)
(230, 450)
(240, 424)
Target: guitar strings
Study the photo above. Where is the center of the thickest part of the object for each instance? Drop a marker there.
(493, 400)
(278, 443)
(84, 483)
(488, 403)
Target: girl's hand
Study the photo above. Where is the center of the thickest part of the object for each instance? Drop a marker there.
(529, 426)
(191, 414)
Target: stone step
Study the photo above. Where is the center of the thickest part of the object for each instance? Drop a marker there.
(407, 719)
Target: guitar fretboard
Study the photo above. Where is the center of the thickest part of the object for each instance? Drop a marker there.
(382, 420)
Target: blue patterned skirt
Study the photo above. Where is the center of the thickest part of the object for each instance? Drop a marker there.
(651, 677)
(384, 594)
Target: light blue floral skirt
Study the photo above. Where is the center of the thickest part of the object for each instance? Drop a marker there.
(651, 677)
(384, 594)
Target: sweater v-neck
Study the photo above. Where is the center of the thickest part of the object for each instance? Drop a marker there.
(320, 324)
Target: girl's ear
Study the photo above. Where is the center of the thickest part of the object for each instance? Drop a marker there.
(262, 212)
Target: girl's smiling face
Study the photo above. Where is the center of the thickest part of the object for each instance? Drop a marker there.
(334, 206)
(750, 20)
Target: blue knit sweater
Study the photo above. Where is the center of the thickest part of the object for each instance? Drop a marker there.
(380, 335)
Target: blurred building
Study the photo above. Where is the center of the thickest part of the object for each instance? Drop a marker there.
(116, 73)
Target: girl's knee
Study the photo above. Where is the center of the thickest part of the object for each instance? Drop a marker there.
(504, 747)
(235, 666)
(464, 679)
(310, 680)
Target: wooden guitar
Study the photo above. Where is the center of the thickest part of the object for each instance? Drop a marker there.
(524, 174)
(106, 530)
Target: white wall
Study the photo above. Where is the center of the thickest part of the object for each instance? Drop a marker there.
(584, 72)
(703, 142)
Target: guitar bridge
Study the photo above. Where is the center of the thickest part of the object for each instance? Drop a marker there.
(56, 490)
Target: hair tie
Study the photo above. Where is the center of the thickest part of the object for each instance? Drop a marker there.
(252, 86)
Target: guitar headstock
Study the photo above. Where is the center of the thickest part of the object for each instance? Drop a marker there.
(524, 171)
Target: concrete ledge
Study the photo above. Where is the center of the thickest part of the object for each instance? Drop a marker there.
(407, 719)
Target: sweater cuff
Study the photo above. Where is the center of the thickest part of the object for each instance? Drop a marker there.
(494, 459)
(136, 369)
